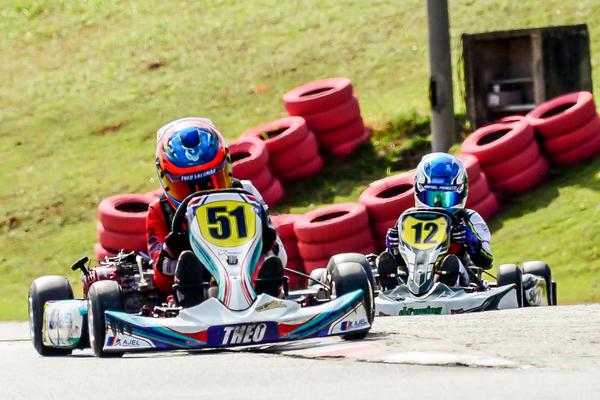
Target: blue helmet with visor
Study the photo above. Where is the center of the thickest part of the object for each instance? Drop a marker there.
(441, 181)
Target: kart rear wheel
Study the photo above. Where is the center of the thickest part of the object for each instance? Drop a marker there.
(508, 274)
(541, 269)
(347, 277)
(46, 288)
(102, 296)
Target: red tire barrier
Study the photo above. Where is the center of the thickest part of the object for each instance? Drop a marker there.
(279, 135)
(295, 156)
(578, 154)
(310, 265)
(471, 164)
(576, 138)
(102, 253)
(514, 165)
(263, 179)
(273, 193)
(526, 179)
(488, 207)
(562, 114)
(331, 222)
(312, 167)
(389, 197)
(333, 117)
(478, 190)
(342, 134)
(322, 250)
(118, 240)
(249, 158)
(284, 224)
(317, 96)
(295, 281)
(495, 143)
(125, 213)
(346, 149)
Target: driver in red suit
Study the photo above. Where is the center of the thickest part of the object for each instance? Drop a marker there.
(191, 156)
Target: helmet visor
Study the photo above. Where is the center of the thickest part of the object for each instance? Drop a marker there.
(178, 188)
(440, 198)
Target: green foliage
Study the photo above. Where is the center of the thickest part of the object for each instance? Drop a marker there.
(86, 83)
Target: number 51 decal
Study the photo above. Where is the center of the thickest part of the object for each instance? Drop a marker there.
(227, 223)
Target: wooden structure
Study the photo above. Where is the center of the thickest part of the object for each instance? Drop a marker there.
(509, 72)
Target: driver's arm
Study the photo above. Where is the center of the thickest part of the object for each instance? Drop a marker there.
(156, 232)
(272, 244)
(478, 247)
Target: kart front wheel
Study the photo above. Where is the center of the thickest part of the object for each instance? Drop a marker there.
(541, 269)
(102, 296)
(46, 288)
(509, 274)
(347, 277)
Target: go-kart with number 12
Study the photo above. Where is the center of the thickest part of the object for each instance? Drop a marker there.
(225, 233)
(424, 242)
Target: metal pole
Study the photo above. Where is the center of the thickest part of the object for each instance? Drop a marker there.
(443, 130)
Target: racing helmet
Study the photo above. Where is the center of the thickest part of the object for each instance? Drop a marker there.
(441, 181)
(191, 155)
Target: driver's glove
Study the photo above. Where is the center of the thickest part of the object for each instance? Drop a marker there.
(462, 234)
(392, 241)
(175, 244)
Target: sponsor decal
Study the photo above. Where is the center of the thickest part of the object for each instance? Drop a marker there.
(270, 306)
(199, 175)
(242, 334)
(420, 311)
(126, 342)
(351, 325)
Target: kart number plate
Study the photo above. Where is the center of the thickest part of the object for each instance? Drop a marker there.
(243, 334)
(424, 234)
(227, 223)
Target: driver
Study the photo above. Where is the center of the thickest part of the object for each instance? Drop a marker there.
(191, 156)
(441, 181)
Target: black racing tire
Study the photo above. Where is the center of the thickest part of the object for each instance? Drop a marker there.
(43, 289)
(347, 277)
(508, 274)
(357, 258)
(102, 296)
(541, 269)
(554, 295)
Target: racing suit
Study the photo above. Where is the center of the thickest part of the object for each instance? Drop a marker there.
(470, 242)
(158, 226)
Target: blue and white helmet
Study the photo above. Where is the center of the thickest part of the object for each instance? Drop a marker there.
(441, 181)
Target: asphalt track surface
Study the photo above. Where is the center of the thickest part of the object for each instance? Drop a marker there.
(550, 353)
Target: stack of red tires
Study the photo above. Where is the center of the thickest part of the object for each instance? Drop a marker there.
(480, 196)
(293, 149)
(122, 224)
(250, 159)
(385, 200)
(330, 230)
(284, 224)
(569, 127)
(509, 156)
(331, 111)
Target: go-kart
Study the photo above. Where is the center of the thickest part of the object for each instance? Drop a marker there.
(420, 287)
(122, 311)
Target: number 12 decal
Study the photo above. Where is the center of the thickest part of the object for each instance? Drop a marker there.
(429, 227)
